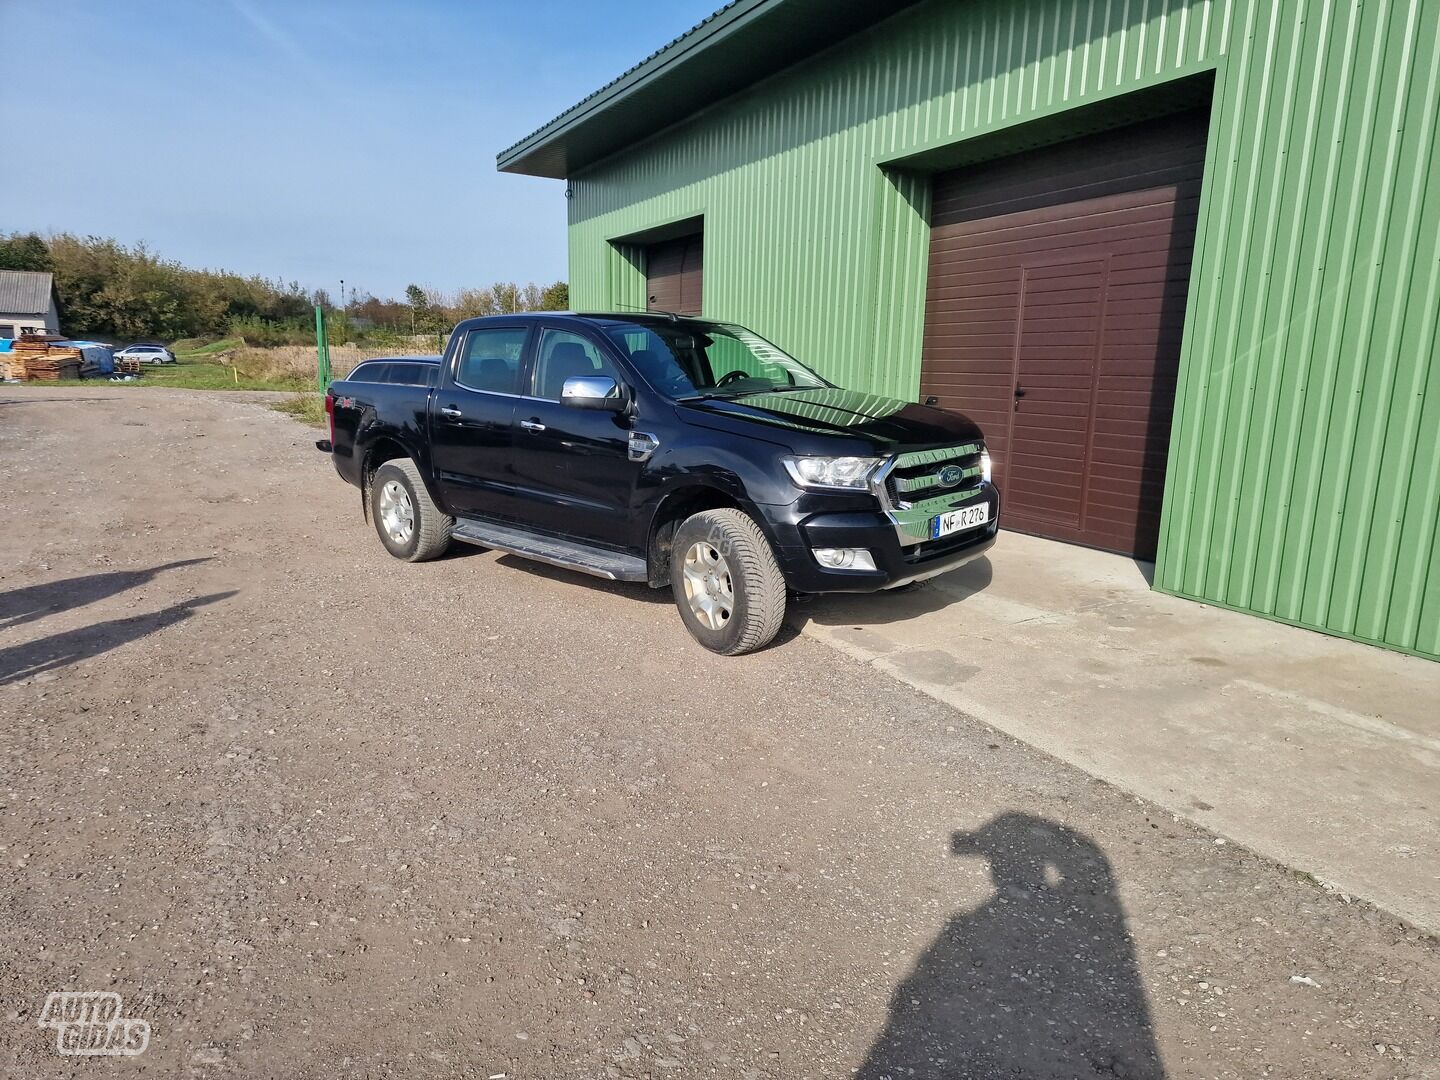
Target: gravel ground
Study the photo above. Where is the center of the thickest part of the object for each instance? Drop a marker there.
(313, 812)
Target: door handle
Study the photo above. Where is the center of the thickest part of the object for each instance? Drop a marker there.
(1019, 391)
(532, 425)
(450, 411)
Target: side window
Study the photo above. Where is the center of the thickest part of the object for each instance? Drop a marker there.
(7, 331)
(406, 375)
(562, 356)
(490, 359)
(368, 373)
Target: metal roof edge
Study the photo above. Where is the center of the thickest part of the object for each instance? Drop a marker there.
(697, 38)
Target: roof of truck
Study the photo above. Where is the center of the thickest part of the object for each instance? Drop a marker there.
(426, 359)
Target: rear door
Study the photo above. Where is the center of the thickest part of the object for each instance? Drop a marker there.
(472, 418)
(572, 466)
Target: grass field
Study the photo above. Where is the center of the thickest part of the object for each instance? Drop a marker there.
(212, 375)
(232, 365)
(307, 408)
(194, 349)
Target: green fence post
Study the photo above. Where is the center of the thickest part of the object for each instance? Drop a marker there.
(322, 350)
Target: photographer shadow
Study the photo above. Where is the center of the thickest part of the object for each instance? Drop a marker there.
(1039, 982)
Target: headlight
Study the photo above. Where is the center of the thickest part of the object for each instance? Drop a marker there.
(985, 465)
(845, 473)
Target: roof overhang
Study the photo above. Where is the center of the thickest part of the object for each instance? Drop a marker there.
(741, 44)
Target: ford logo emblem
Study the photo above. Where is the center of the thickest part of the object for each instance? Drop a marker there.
(951, 475)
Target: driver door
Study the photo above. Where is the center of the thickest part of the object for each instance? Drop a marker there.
(572, 466)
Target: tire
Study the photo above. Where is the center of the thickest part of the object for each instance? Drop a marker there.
(428, 534)
(756, 594)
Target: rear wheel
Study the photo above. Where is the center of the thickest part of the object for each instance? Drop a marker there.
(726, 582)
(407, 520)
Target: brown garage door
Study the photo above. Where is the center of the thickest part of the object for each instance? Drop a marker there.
(1053, 317)
(675, 272)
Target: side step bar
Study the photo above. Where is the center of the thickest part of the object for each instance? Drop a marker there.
(570, 554)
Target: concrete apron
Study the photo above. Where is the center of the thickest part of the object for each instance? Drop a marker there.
(1319, 753)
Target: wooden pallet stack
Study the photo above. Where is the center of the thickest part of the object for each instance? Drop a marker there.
(33, 358)
(55, 365)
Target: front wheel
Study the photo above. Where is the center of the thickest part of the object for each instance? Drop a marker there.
(727, 584)
(409, 523)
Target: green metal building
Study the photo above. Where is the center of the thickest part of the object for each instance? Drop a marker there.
(1179, 257)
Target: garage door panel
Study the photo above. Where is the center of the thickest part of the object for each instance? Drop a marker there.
(953, 280)
(1156, 154)
(1126, 384)
(674, 275)
(1059, 444)
(1053, 430)
(1107, 408)
(1135, 267)
(1078, 223)
(1063, 274)
(1118, 406)
(1135, 251)
(1149, 204)
(1142, 230)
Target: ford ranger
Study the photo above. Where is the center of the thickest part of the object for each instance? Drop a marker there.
(673, 451)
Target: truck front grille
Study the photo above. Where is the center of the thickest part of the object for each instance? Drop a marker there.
(930, 474)
(913, 488)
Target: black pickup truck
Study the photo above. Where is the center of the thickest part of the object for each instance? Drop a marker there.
(662, 449)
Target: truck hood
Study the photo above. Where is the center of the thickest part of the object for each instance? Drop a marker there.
(887, 424)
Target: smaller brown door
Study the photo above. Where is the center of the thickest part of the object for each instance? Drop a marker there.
(1057, 355)
(675, 272)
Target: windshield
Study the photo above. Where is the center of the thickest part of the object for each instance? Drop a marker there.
(689, 360)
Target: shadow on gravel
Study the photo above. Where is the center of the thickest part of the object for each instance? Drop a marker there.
(72, 646)
(48, 400)
(1039, 982)
(895, 605)
(634, 590)
(36, 601)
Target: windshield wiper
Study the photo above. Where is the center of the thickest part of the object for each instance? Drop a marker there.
(776, 390)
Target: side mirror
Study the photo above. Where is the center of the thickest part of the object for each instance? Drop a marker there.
(592, 392)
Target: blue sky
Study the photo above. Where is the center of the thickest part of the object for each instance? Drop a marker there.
(310, 140)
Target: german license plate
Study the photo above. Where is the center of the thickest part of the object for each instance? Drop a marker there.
(967, 517)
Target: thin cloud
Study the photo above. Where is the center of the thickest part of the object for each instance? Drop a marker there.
(305, 65)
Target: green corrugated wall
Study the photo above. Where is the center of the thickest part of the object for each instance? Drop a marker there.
(1304, 480)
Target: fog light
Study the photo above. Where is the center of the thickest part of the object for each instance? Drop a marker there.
(845, 558)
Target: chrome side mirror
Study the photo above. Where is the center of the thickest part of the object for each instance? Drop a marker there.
(592, 392)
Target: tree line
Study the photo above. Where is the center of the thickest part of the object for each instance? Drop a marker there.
(106, 289)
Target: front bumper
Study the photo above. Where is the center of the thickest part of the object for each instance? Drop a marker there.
(807, 525)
